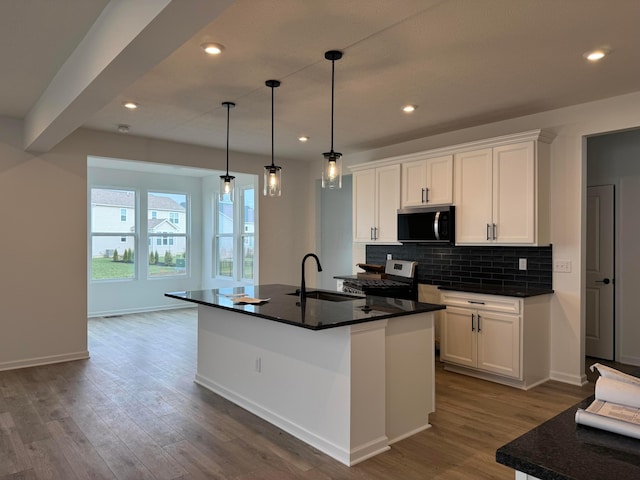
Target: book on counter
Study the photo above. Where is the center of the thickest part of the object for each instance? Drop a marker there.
(616, 407)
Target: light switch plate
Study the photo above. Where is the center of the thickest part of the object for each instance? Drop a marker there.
(562, 266)
(522, 264)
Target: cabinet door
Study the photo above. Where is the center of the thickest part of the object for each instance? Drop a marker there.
(473, 196)
(364, 199)
(458, 336)
(514, 193)
(499, 343)
(414, 181)
(439, 180)
(387, 203)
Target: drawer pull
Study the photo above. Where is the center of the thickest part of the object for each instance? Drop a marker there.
(475, 302)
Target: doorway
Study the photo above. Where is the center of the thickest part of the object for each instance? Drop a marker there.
(614, 159)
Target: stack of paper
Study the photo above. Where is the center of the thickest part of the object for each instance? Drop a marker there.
(617, 404)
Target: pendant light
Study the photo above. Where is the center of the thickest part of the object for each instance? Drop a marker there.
(272, 173)
(227, 181)
(332, 167)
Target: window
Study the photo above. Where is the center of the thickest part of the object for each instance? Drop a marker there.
(248, 223)
(113, 234)
(170, 252)
(224, 239)
(234, 242)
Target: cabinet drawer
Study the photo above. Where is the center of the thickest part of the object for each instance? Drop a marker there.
(495, 303)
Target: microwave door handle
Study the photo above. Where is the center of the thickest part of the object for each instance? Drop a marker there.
(436, 226)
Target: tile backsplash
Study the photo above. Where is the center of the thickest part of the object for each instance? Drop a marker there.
(449, 265)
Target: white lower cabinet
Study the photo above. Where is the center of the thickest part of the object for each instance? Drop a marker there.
(499, 338)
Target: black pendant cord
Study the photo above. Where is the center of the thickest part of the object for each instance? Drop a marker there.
(272, 129)
(332, 55)
(333, 70)
(228, 110)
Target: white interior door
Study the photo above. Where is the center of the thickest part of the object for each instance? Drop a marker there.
(600, 280)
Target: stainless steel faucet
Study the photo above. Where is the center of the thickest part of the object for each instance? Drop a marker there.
(303, 288)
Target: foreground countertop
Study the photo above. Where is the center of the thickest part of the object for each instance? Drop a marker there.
(522, 292)
(560, 449)
(314, 314)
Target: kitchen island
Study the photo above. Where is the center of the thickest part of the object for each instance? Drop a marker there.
(348, 375)
(560, 449)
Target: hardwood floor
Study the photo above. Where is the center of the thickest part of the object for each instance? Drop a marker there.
(132, 411)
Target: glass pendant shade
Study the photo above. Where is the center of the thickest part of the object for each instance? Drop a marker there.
(332, 166)
(227, 187)
(272, 181)
(227, 182)
(332, 171)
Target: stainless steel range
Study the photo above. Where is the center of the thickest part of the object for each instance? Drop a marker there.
(401, 282)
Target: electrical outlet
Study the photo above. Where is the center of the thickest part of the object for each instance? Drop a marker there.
(562, 266)
(389, 256)
(259, 365)
(522, 264)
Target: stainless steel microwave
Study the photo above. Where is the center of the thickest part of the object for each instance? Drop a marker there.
(427, 224)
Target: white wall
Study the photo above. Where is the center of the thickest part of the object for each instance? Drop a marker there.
(43, 303)
(615, 159)
(568, 197)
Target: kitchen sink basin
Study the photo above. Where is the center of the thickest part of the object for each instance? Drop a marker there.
(329, 296)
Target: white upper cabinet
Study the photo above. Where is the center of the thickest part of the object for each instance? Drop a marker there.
(376, 199)
(474, 196)
(427, 182)
(500, 187)
(502, 195)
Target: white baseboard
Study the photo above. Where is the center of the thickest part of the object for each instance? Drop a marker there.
(37, 361)
(630, 360)
(128, 311)
(578, 380)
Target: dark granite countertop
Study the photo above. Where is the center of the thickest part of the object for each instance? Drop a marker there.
(316, 314)
(560, 449)
(498, 290)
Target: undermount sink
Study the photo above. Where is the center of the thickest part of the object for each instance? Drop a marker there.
(329, 296)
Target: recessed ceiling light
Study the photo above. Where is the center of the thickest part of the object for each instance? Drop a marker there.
(595, 55)
(212, 48)
(123, 128)
(409, 108)
(303, 138)
(131, 105)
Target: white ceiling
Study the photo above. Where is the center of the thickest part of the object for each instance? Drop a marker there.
(463, 62)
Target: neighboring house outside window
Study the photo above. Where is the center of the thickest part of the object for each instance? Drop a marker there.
(167, 221)
(234, 252)
(114, 234)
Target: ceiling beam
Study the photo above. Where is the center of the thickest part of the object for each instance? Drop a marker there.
(127, 40)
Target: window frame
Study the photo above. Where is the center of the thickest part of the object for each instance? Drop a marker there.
(237, 235)
(117, 235)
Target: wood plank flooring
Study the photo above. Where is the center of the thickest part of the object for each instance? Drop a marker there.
(132, 411)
